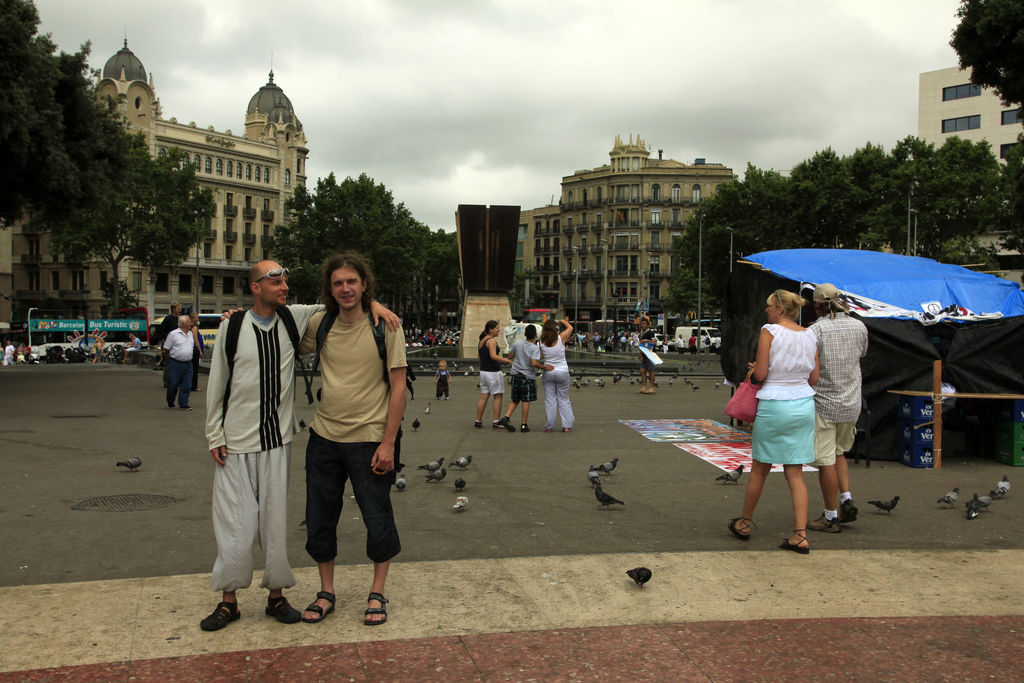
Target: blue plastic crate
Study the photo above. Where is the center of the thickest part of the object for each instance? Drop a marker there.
(1012, 410)
(916, 408)
(916, 456)
(924, 436)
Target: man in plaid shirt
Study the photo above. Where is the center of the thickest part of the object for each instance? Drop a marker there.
(842, 342)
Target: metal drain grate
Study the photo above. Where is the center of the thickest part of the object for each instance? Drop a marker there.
(129, 502)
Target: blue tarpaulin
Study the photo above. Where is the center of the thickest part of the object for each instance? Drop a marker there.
(912, 283)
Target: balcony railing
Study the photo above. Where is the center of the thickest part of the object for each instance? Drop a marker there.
(267, 216)
(31, 258)
(29, 293)
(249, 238)
(230, 236)
(249, 212)
(566, 229)
(209, 234)
(230, 210)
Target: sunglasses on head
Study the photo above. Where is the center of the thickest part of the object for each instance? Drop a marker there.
(273, 274)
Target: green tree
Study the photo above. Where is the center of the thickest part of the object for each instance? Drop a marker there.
(151, 214)
(990, 42)
(56, 137)
(1012, 182)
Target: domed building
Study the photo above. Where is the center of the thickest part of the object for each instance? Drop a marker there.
(251, 175)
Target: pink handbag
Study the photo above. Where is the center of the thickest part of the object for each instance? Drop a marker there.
(743, 404)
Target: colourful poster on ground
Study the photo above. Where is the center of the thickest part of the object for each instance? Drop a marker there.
(728, 456)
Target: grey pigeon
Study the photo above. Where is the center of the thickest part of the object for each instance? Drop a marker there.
(885, 505)
(985, 501)
(463, 461)
(576, 384)
(973, 507)
(604, 499)
(949, 500)
(594, 478)
(460, 484)
(640, 575)
(415, 424)
(400, 482)
(732, 476)
(1002, 487)
(438, 475)
(616, 378)
(133, 464)
(609, 466)
(427, 411)
(432, 466)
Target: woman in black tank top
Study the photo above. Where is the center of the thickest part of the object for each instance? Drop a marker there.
(492, 381)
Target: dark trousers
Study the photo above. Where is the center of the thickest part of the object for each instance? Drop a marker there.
(179, 381)
(329, 465)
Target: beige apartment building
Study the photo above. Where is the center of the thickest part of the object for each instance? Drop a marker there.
(606, 249)
(949, 104)
(251, 175)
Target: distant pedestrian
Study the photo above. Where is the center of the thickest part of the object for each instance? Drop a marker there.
(647, 340)
(8, 353)
(693, 344)
(179, 345)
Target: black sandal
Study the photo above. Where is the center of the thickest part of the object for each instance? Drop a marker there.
(796, 547)
(736, 532)
(383, 609)
(224, 614)
(313, 607)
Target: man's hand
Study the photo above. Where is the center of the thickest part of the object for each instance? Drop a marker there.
(227, 314)
(378, 311)
(219, 453)
(383, 459)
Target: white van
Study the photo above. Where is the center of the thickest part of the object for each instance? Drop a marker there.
(711, 338)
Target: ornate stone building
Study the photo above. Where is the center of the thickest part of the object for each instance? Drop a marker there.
(251, 175)
(606, 249)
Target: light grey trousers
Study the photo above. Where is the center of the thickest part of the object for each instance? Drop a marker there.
(250, 500)
(556, 399)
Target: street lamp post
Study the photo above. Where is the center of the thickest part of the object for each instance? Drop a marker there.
(914, 212)
(700, 266)
(910, 193)
(604, 281)
(730, 249)
(576, 294)
(30, 325)
(199, 238)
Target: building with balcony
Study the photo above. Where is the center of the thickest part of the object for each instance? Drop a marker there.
(250, 174)
(606, 248)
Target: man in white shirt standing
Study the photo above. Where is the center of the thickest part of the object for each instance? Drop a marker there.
(178, 346)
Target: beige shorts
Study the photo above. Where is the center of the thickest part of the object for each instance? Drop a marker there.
(831, 439)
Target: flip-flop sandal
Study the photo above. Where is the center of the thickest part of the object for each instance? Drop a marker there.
(376, 610)
(313, 607)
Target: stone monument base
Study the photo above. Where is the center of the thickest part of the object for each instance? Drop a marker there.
(479, 309)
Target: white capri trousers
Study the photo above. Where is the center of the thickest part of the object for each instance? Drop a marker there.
(250, 500)
(556, 399)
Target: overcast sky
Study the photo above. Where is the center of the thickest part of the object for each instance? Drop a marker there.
(492, 102)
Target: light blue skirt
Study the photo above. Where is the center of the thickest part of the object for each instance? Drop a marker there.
(784, 431)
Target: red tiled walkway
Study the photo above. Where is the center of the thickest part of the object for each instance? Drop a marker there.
(860, 649)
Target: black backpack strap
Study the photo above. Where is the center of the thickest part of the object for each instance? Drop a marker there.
(321, 336)
(379, 336)
(230, 348)
(288, 320)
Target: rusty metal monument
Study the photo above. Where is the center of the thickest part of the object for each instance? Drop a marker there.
(487, 257)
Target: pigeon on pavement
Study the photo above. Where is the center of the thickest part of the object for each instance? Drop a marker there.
(463, 461)
(460, 484)
(732, 476)
(985, 501)
(973, 507)
(415, 424)
(594, 478)
(885, 505)
(604, 499)
(460, 504)
(606, 467)
(949, 500)
(400, 482)
(432, 466)
(1002, 487)
(640, 575)
(438, 475)
(427, 411)
(133, 464)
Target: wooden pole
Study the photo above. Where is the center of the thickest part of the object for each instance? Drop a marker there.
(937, 412)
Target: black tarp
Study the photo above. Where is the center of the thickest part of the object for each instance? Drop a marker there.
(978, 357)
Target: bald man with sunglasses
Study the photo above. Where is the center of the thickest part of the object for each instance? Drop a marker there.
(250, 423)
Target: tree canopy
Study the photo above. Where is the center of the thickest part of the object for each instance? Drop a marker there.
(990, 42)
(151, 214)
(413, 266)
(956, 192)
(56, 137)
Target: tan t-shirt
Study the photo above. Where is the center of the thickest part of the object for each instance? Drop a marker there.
(354, 397)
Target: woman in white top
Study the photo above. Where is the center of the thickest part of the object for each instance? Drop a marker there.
(556, 375)
(787, 364)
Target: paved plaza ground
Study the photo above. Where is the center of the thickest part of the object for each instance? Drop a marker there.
(528, 583)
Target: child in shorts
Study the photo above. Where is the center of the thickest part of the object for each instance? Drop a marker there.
(525, 356)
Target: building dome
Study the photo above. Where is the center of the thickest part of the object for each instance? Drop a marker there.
(124, 59)
(272, 101)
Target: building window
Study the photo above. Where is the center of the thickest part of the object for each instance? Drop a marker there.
(654, 290)
(77, 279)
(656, 192)
(136, 280)
(1005, 148)
(677, 193)
(229, 224)
(266, 204)
(677, 216)
(655, 239)
(162, 152)
(600, 194)
(103, 279)
(248, 254)
(228, 284)
(207, 284)
(33, 280)
(231, 168)
(238, 170)
(185, 282)
(206, 249)
(198, 161)
(229, 251)
(958, 92)
(229, 199)
(287, 176)
(220, 167)
(209, 165)
(655, 217)
(266, 174)
(54, 280)
(266, 229)
(248, 171)
(163, 282)
(654, 264)
(695, 196)
(961, 123)
(1011, 116)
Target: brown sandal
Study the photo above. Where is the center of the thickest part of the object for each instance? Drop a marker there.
(736, 532)
(796, 547)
